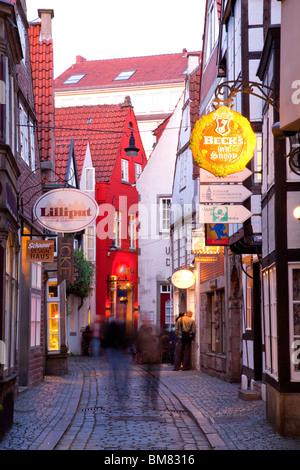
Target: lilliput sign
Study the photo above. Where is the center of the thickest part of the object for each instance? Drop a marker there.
(65, 210)
(223, 142)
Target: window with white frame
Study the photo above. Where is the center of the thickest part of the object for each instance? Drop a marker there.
(117, 228)
(89, 179)
(270, 320)
(124, 168)
(212, 28)
(35, 320)
(138, 170)
(53, 314)
(258, 159)
(164, 213)
(132, 231)
(32, 145)
(24, 141)
(169, 314)
(90, 243)
(183, 170)
(294, 320)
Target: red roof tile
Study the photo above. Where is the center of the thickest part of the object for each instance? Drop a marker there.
(166, 68)
(41, 56)
(101, 126)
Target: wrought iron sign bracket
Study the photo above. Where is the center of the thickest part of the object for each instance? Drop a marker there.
(232, 87)
(225, 94)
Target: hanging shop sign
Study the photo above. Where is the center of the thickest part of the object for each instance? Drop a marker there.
(230, 214)
(202, 252)
(216, 234)
(65, 259)
(183, 279)
(223, 142)
(40, 250)
(65, 210)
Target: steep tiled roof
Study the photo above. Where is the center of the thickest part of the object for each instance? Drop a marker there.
(101, 126)
(166, 68)
(41, 55)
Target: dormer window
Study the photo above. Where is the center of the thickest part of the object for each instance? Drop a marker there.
(73, 79)
(125, 75)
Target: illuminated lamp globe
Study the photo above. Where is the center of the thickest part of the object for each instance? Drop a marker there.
(296, 212)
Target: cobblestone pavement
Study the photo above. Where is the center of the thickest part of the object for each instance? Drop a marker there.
(187, 411)
(103, 411)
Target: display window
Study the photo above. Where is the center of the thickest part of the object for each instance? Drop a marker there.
(294, 303)
(53, 310)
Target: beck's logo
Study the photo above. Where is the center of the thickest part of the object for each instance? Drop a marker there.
(222, 126)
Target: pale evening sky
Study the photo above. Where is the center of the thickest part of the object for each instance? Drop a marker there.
(100, 29)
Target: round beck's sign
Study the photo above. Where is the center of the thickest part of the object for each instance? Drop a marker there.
(183, 279)
(223, 142)
(65, 210)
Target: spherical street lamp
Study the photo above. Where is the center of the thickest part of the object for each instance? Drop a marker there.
(296, 212)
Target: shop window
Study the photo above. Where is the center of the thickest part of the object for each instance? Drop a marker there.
(248, 298)
(11, 292)
(35, 312)
(294, 309)
(53, 309)
(216, 304)
(270, 320)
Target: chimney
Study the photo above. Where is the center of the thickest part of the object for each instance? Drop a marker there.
(46, 26)
(80, 59)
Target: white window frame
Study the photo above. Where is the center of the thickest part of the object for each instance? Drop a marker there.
(125, 75)
(24, 140)
(124, 170)
(212, 29)
(35, 320)
(90, 179)
(90, 252)
(132, 231)
(32, 145)
(75, 78)
(138, 170)
(117, 228)
(164, 214)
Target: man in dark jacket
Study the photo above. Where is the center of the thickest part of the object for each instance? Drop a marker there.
(185, 332)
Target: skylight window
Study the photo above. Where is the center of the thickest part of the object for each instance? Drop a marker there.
(125, 75)
(73, 79)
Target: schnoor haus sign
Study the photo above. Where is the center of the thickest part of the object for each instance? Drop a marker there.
(65, 210)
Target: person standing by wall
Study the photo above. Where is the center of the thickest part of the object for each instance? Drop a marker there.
(185, 332)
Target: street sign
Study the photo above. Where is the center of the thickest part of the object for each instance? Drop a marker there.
(223, 193)
(235, 214)
(239, 177)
